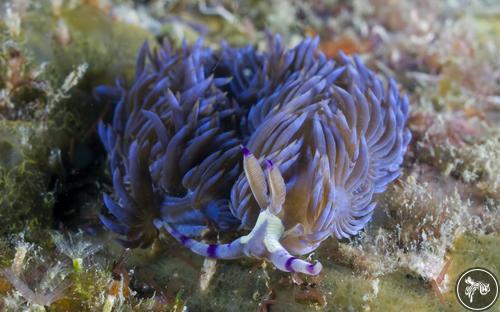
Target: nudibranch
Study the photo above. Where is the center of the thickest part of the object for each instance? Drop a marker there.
(286, 144)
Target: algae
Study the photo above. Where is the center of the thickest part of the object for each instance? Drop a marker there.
(25, 200)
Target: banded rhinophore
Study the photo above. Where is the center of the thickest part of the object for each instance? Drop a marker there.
(286, 144)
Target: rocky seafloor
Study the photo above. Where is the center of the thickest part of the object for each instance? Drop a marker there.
(437, 220)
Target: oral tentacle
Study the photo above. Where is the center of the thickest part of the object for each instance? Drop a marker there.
(232, 250)
(284, 261)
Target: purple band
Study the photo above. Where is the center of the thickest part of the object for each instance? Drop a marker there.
(184, 239)
(246, 151)
(212, 251)
(310, 268)
(288, 264)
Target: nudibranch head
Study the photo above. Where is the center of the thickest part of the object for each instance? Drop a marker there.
(285, 143)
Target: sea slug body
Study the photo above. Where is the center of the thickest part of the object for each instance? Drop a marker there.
(286, 144)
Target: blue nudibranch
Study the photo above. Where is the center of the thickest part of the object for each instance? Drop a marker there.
(285, 143)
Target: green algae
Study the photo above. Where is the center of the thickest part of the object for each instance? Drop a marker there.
(62, 126)
(352, 292)
(11, 154)
(470, 251)
(24, 198)
(237, 286)
(234, 287)
(108, 47)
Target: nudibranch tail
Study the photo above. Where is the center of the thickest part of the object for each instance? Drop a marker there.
(263, 241)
